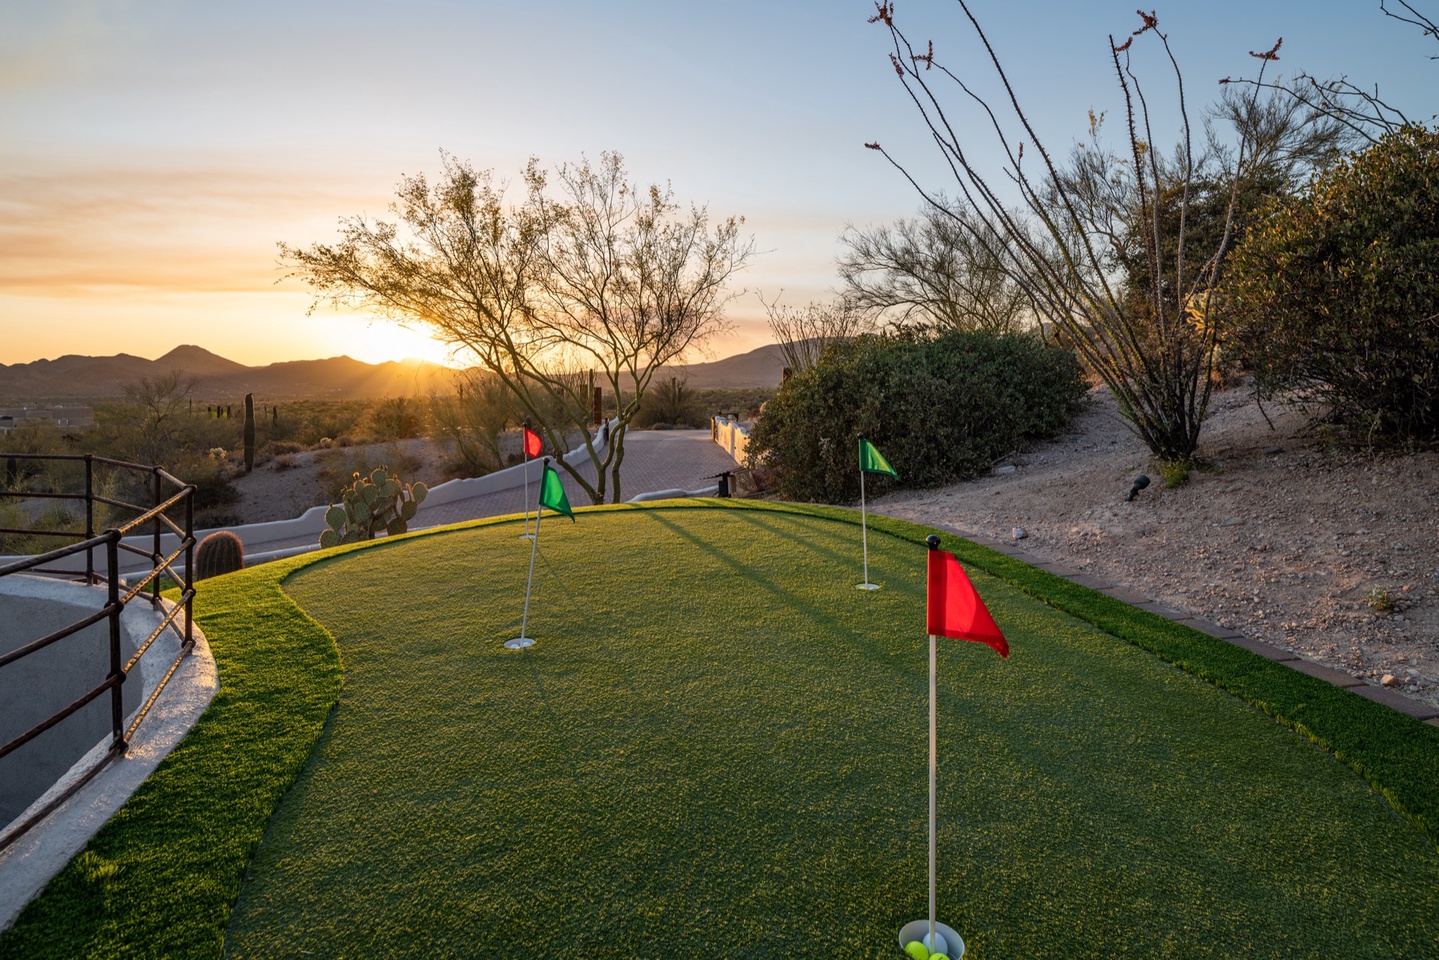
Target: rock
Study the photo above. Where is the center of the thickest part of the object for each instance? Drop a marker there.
(1006, 469)
(1389, 680)
(1271, 451)
(1018, 533)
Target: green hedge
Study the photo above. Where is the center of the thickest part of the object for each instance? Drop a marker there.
(940, 409)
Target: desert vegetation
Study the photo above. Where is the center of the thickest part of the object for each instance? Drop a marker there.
(941, 407)
(590, 285)
(202, 440)
(1127, 254)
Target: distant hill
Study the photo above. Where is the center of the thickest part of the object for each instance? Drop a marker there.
(758, 368)
(73, 377)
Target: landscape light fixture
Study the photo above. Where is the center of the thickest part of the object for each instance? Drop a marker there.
(1140, 482)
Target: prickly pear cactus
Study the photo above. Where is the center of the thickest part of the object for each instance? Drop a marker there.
(371, 505)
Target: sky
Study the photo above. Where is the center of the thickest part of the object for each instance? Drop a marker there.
(153, 152)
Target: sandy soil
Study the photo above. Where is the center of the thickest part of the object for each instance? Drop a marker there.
(282, 488)
(1317, 548)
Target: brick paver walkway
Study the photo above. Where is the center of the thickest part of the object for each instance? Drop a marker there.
(654, 460)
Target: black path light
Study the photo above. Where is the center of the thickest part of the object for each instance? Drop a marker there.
(1140, 482)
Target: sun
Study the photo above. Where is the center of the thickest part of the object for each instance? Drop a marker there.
(379, 341)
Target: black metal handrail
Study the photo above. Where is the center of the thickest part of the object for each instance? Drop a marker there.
(119, 593)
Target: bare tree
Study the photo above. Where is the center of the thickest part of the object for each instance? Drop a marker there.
(606, 278)
(630, 282)
(473, 418)
(1152, 344)
(1361, 111)
(151, 416)
(931, 270)
(805, 333)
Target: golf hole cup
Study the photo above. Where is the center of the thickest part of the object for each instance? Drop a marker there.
(951, 943)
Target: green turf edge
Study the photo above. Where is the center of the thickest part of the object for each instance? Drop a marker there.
(161, 878)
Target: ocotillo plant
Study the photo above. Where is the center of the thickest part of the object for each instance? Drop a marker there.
(370, 504)
(221, 552)
(249, 432)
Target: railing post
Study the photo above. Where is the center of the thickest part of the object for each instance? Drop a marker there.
(157, 555)
(189, 564)
(90, 516)
(117, 692)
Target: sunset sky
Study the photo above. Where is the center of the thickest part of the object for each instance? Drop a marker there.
(153, 153)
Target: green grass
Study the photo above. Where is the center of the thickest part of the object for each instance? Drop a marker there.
(160, 879)
(718, 748)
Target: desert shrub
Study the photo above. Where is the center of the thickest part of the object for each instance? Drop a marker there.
(472, 420)
(940, 408)
(36, 519)
(1336, 296)
(337, 468)
(397, 418)
(305, 422)
(670, 403)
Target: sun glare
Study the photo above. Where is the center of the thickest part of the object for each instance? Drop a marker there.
(378, 342)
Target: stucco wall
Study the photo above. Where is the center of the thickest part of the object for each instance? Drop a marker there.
(37, 686)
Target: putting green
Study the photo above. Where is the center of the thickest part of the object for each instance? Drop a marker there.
(717, 748)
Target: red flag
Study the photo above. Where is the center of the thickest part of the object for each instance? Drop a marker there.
(954, 608)
(533, 444)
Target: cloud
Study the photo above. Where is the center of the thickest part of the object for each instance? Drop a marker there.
(70, 233)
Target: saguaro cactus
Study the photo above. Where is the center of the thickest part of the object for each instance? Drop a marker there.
(249, 432)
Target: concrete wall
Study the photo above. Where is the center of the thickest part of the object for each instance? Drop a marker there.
(271, 541)
(35, 687)
(732, 436)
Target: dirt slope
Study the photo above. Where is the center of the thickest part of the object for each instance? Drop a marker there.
(1322, 550)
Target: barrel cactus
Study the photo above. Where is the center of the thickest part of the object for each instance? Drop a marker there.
(218, 553)
(372, 504)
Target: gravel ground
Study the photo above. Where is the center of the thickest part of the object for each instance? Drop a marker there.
(1323, 550)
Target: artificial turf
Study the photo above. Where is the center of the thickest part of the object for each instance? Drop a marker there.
(717, 749)
(161, 877)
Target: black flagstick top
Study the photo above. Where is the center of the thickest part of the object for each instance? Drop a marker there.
(933, 541)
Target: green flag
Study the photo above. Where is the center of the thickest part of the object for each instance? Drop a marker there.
(870, 460)
(552, 493)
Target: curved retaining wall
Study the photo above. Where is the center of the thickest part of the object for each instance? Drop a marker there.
(38, 686)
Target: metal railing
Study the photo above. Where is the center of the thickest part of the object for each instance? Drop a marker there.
(170, 495)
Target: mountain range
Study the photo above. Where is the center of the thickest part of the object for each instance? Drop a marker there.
(74, 377)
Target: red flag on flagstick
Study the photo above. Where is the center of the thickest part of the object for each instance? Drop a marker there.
(954, 608)
(533, 444)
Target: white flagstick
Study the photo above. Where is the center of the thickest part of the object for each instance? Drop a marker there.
(527, 535)
(864, 530)
(522, 641)
(930, 932)
(933, 777)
